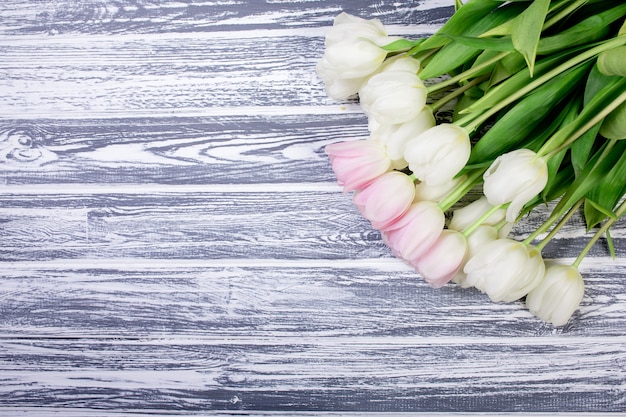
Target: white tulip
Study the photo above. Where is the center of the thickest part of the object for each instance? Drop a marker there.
(516, 178)
(558, 295)
(438, 154)
(393, 96)
(427, 192)
(395, 137)
(479, 238)
(464, 217)
(505, 269)
(352, 52)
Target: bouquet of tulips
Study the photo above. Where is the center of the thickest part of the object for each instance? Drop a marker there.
(539, 91)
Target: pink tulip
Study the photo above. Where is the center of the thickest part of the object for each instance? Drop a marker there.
(357, 163)
(416, 231)
(444, 259)
(385, 199)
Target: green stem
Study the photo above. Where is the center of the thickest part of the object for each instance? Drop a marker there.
(582, 130)
(466, 74)
(559, 225)
(471, 122)
(442, 101)
(605, 227)
(469, 229)
(462, 189)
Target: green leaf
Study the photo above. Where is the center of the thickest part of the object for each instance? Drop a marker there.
(611, 92)
(401, 45)
(610, 244)
(522, 119)
(569, 113)
(503, 44)
(527, 31)
(588, 30)
(517, 81)
(581, 150)
(464, 18)
(594, 214)
(608, 192)
(597, 167)
(454, 55)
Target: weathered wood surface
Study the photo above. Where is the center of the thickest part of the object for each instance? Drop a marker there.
(173, 241)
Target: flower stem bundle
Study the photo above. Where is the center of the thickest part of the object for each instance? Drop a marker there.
(539, 95)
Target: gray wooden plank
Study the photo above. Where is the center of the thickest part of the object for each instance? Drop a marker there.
(169, 225)
(298, 373)
(165, 150)
(132, 16)
(259, 222)
(378, 298)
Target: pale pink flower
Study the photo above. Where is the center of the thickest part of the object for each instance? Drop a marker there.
(443, 260)
(357, 163)
(416, 231)
(386, 199)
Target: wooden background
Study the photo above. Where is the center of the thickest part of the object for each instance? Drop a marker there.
(173, 241)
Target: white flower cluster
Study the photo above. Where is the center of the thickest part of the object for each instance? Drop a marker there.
(406, 173)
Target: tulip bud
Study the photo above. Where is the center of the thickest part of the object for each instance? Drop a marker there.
(393, 96)
(396, 136)
(505, 270)
(416, 231)
(558, 294)
(464, 217)
(357, 163)
(516, 178)
(438, 154)
(352, 52)
(444, 259)
(479, 238)
(427, 192)
(386, 199)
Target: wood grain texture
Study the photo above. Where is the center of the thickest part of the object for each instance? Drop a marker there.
(260, 298)
(173, 242)
(170, 150)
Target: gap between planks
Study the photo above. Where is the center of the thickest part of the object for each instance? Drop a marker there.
(389, 264)
(383, 343)
(146, 189)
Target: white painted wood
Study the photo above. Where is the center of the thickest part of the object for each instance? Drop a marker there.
(172, 241)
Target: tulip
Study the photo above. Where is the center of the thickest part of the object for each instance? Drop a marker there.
(428, 192)
(416, 231)
(558, 295)
(393, 96)
(357, 163)
(464, 217)
(476, 240)
(396, 136)
(505, 269)
(444, 259)
(438, 154)
(516, 178)
(352, 52)
(386, 199)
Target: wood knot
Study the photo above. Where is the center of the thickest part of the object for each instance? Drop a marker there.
(21, 146)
